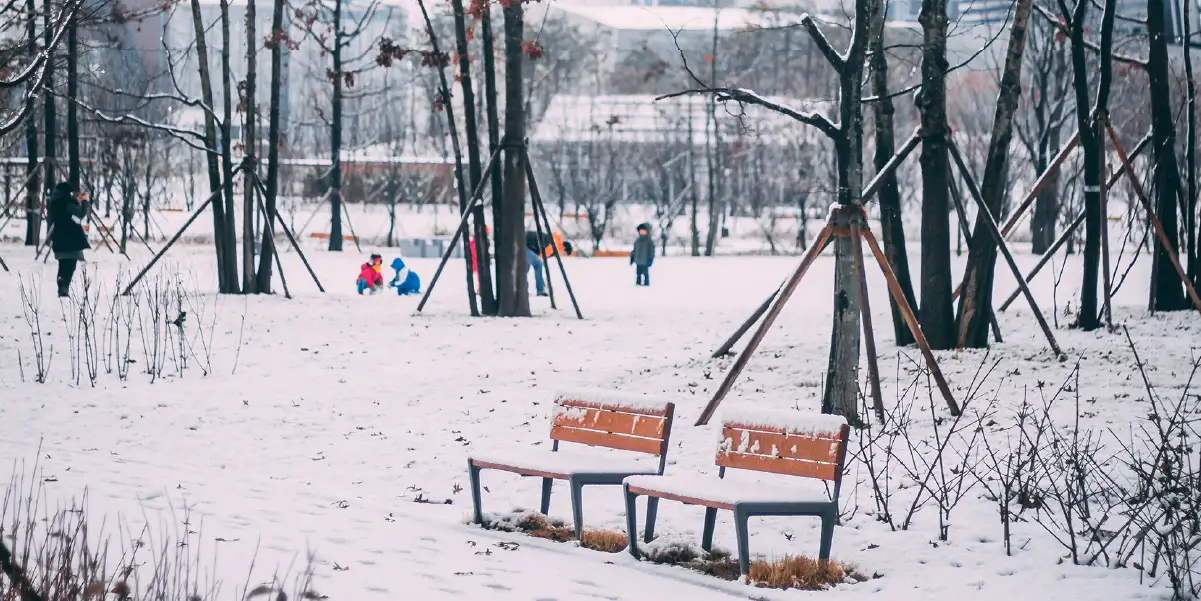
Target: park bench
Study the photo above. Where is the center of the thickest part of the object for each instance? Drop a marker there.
(596, 418)
(791, 443)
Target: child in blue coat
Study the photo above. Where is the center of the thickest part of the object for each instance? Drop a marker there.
(406, 280)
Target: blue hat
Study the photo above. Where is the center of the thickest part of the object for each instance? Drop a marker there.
(398, 264)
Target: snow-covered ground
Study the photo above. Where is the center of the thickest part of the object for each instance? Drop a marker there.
(325, 417)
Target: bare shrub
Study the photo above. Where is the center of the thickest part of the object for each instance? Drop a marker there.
(31, 310)
(55, 555)
(605, 541)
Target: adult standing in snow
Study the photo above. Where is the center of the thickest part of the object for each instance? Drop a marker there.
(66, 214)
(643, 256)
(534, 245)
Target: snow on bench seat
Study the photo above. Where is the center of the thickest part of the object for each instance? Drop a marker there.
(696, 489)
(560, 465)
(800, 423)
(612, 400)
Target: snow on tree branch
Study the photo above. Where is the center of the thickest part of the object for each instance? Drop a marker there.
(836, 60)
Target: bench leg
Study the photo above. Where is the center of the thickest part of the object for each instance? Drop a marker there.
(823, 553)
(740, 531)
(652, 513)
(577, 507)
(473, 474)
(632, 520)
(707, 536)
(546, 485)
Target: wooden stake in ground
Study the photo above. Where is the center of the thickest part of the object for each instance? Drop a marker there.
(894, 287)
(141, 274)
(869, 336)
(1106, 284)
(291, 238)
(994, 230)
(1159, 232)
(540, 208)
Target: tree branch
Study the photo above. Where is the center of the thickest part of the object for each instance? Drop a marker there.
(745, 96)
(1121, 58)
(835, 59)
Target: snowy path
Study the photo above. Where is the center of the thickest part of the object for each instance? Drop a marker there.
(344, 410)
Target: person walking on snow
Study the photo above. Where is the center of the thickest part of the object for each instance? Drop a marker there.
(66, 214)
(643, 256)
(370, 278)
(534, 245)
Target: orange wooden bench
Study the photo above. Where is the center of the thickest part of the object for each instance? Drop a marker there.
(789, 443)
(610, 253)
(325, 236)
(596, 418)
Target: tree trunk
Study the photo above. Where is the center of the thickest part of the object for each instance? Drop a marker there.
(72, 96)
(892, 226)
(1169, 293)
(335, 137)
(1190, 153)
(511, 265)
(694, 195)
(452, 130)
(250, 143)
(975, 303)
(225, 280)
(33, 206)
(712, 151)
(1046, 205)
(50, 114)
(471, 125)
(1092, 142)
(937, 317)
(273, 142)
(490, 106)
(227, 150)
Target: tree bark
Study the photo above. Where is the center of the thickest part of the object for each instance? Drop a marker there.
(33, 205)
(250, 143)
(1092, 146)
(1190, 153)
(226, 281)
(1046, 205)
(452, 130)
(490, 107)
(73, 95)
(892, 226)
(50, 113)
(227, 150)
(273, 142)
(335, 136)
(511, 266)
(1169, 292)
(936, 314)
(712, 151)
(471, 124)
(975, 303)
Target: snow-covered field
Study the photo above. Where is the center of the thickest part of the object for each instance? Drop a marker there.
(325, 417)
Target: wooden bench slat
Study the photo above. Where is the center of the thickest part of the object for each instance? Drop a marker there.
(519, 470)
(789, 446)
(661, 412)
(681, 498)
(604, 439)
(790, 467)
(587, 418)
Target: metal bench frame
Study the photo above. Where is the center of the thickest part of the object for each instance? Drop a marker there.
(826, 510)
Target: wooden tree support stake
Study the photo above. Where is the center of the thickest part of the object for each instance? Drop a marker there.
(991, 224)
(1107, 285)
(967, 236)
(1067, 233)
(1159, 231)
(540, 207)
(865, 308)
(476, 196)
(258, 183)
(1040, 183)
(141, 274)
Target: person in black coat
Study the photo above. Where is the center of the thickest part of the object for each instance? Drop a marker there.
(66, 214)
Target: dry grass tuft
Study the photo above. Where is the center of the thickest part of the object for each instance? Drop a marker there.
(607, 541)
(539, 526)
(799, 572)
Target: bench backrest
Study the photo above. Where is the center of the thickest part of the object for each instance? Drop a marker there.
(639, 427)
(810, 447)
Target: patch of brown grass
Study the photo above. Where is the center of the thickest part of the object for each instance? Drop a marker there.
(606, 541)
(799, 572)
(539, 526)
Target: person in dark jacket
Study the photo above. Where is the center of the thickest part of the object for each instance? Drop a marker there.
(67, 213)
(534, 245)
(643, 256)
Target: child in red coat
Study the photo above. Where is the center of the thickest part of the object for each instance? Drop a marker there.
(370, 278)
